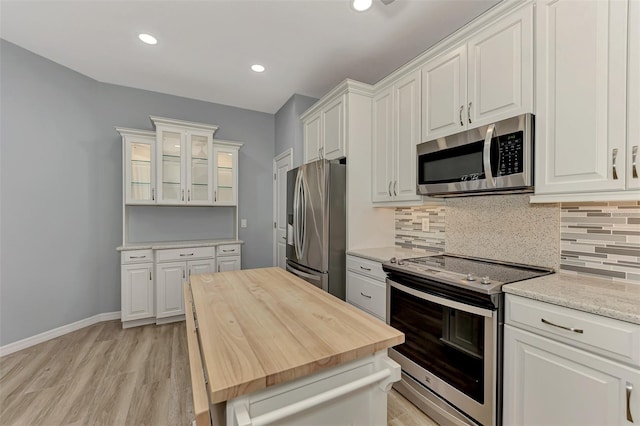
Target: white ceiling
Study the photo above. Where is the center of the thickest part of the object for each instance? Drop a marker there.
(205, 48)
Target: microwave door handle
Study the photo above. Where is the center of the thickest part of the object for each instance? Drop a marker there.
(486, 157)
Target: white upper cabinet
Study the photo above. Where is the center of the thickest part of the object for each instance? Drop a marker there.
(587, 90)
(324, 131)
(225, 174)
(396, 132)
(139, 166)
(185, 173)
(485, 79)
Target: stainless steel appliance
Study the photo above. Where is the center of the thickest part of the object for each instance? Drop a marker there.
(450, 310)
(316, 224)
(497, 158)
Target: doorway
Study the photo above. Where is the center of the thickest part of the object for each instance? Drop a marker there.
(281, 165)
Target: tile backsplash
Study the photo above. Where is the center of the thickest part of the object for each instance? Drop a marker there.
(597, 239)
(601, 239)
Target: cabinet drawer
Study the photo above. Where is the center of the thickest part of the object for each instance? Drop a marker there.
(367, 267)
(607, 336)
(228, 250)
(172, 255)
(136, 256)
(367, 293)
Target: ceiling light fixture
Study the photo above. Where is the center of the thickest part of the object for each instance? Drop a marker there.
(147, 38)
(361, 5)
(257, 68)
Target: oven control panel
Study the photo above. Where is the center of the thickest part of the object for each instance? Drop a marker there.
(511, 148)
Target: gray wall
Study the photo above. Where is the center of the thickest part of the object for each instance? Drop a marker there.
(61, 187)
(288, 127)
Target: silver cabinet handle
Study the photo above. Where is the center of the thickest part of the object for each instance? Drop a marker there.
(153, 194)
(614, 155)
(575, 330)
(150, 276)
(389, 188)
(227, 251)
(215, 195)
(189, 195)
(395, 188)
(366, 269)
(634, 156)
(182, 196)
(322, 150)
(469, 113)
(629, 388)
(137, 257)
(186, 254)
(183, 274)
(367, 296)
(460, 114)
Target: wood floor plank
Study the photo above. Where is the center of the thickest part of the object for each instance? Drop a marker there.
(104, 375)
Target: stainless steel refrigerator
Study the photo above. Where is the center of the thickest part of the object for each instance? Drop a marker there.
(316, 225)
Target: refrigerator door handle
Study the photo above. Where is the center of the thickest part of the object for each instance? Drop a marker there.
(303, 207)
(296, 211)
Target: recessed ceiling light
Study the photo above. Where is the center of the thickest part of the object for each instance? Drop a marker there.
(361, 5)
(147, 38)
(257, 68)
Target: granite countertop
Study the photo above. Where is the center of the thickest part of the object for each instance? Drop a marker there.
(177, 244)
(276, 328)
(599, 296)
(383, 254)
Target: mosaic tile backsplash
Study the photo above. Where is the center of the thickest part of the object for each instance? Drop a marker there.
(601, 239)
(409, 233)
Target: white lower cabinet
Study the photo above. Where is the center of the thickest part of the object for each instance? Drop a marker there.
(137, 292)
(228, 258)
(366, 286)
(169, 279)
(551, 381)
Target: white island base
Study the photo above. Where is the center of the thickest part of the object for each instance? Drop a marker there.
(354, 393)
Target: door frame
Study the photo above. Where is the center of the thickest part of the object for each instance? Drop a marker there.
(279, 157)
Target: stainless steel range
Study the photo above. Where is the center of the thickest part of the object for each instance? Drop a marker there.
(450, 309)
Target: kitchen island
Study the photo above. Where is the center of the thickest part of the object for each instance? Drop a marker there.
(274, 348)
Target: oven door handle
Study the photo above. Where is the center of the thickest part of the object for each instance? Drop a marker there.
(441, 301)
(486, 157)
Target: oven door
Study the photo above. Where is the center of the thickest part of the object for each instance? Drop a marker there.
(449, 348)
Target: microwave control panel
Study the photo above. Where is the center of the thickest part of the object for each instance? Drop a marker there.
(511, 147)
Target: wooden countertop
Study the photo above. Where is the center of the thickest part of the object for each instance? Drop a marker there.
(261, 327)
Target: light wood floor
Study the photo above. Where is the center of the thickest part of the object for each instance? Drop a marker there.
(104, 375)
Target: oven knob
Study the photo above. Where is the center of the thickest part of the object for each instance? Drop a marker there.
(470, 277)
(400, 262)
(392, 260)
(485, 280)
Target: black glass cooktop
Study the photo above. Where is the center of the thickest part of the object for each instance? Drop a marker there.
(504, 273)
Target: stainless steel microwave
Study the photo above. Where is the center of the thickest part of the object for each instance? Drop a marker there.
(492, 159)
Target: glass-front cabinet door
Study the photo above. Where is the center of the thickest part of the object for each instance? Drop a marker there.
(225, 191)
(139, 167)
(170, 164)
(199, 169)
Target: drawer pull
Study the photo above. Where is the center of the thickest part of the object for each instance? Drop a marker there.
(137, 257)
(186, 254)
(227, 251)
(629, 390)
(365, 295)
(575, 330)
(366, 269)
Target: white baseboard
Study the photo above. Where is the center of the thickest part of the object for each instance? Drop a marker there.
(56, 332)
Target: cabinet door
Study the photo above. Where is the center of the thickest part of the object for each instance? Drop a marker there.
(550, 383)
(312, 137)
(382, 149)
(169, 297)
(500, 75)
(407, 136)
(633, 104)
(139, 171)
(137, 292)
(581, 95)
(229, 263)
(225, 192)
(205, 266)
(199, 169)
(444, 94)
(333, 129)
(170, 165)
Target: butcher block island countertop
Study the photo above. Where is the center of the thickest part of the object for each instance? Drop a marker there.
(262, 327)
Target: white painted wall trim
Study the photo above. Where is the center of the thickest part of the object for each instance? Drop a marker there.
(56, 332)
